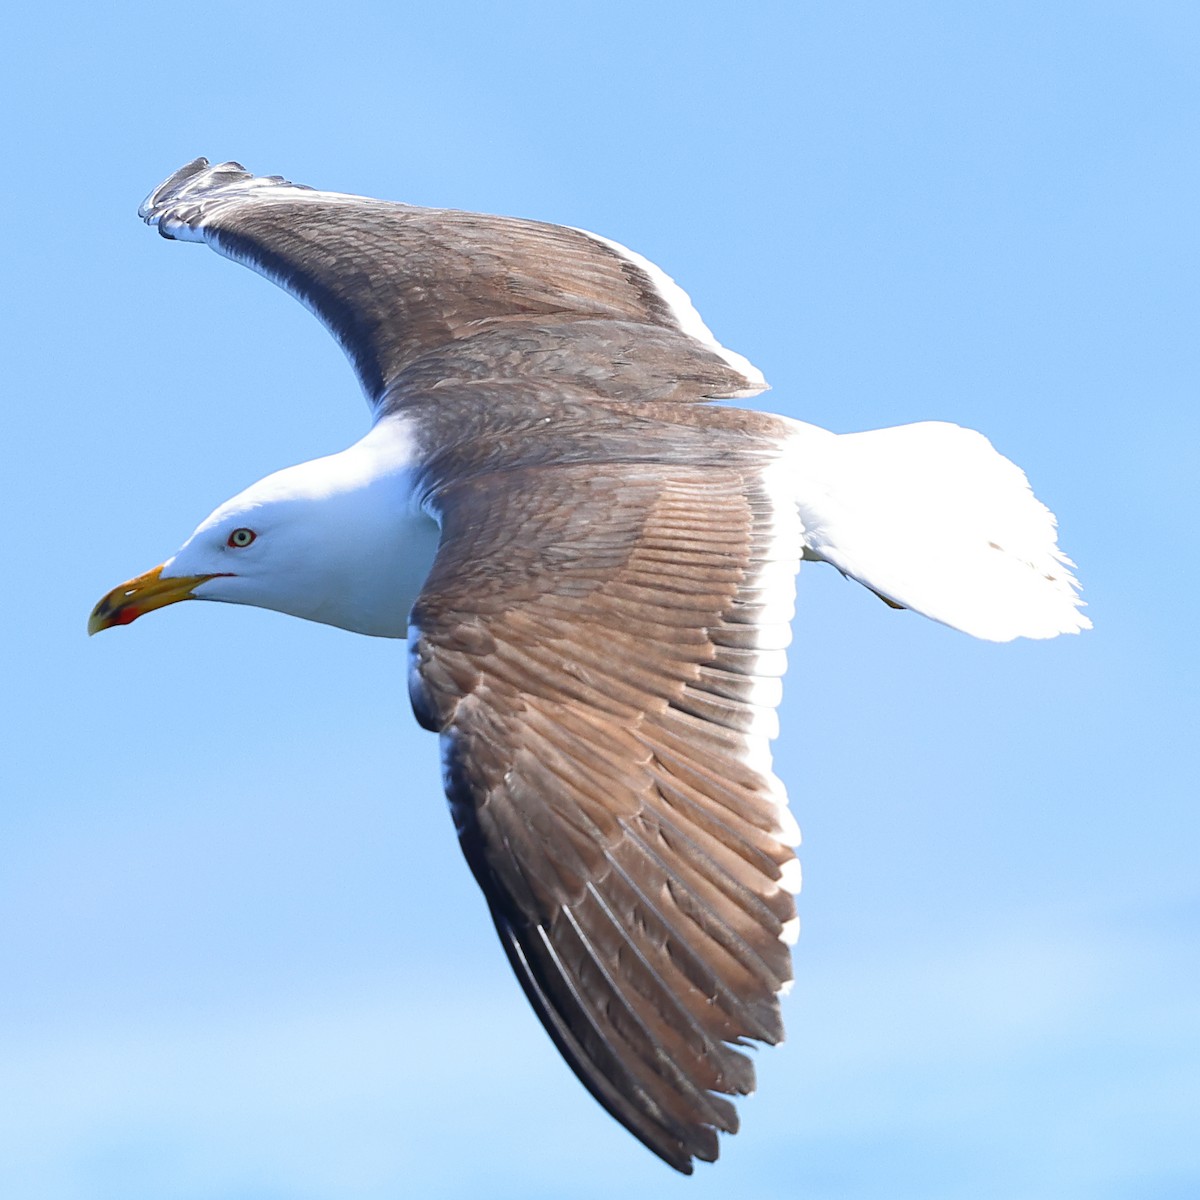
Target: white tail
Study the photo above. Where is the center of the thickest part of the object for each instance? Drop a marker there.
(931, 517)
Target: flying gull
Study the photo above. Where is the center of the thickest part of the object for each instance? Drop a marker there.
(594, 567)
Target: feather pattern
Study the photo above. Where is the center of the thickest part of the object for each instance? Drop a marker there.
(611, 784)
(418, 296)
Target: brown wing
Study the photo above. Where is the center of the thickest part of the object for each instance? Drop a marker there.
(600, 653)
(417, 296)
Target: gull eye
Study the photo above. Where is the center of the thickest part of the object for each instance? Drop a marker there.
(240, 538)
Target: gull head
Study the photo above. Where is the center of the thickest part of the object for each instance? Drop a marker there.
(340, 540)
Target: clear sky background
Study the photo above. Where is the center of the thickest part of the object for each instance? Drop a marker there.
(240, 955)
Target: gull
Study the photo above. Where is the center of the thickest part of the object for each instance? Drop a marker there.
(594, 567)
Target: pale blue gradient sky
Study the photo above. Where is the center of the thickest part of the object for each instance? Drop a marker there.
(240, 956)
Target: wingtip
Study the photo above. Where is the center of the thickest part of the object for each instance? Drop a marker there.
(147, 210)
(183, 201)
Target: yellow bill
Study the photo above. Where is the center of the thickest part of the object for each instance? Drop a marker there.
(144, 594)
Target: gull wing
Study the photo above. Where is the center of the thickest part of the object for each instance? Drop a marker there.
(417, 296)
(601, 653)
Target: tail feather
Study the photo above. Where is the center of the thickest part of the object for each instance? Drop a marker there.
(931, 517)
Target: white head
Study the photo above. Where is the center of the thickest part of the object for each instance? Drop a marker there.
(338, 540)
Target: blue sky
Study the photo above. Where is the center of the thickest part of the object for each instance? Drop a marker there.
(240, 956)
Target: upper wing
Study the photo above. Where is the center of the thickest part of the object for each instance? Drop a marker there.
(601, 652)
(417, 296)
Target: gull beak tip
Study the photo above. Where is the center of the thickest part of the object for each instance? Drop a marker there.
(124, 604)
